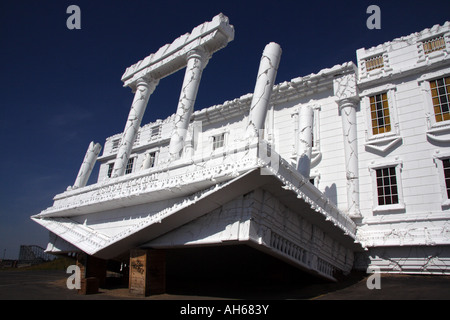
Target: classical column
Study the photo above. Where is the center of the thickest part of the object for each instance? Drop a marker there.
(196, 62)
(267, 72)
(88, 164)
(348, 114)
(305, 136)
(144, 88)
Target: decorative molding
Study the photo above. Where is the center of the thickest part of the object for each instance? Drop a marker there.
(383, 144)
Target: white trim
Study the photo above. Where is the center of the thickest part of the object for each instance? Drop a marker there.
(438, 156)
(435, 130)
(215, 133)
(382, 141)
(362, 59)
(435, 54)
(398, 164)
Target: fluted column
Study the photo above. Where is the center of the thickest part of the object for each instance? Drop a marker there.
(305, 136)
(348, 114)
(88, 164)
(196, 62)
(267, 72)
(144, 88)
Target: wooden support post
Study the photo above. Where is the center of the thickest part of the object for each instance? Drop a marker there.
(92, 272)
(147, 272)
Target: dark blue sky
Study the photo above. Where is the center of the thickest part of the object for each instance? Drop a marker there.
(61, 88)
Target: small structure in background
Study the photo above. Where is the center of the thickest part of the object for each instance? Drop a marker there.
(32, 254)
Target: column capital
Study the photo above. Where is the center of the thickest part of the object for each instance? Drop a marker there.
(147, 82)
(348, 102)
(200, 54)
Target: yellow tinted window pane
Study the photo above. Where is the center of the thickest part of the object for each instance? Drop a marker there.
(388, 128)
(437, 109)
(434, 93)
(446, 116)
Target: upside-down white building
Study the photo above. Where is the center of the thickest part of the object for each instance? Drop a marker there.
(339, 170)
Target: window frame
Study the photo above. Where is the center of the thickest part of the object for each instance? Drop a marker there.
(446, 87)
(130, 168)
(215, 134)
(364, 58)
(155, 132)
(373, 58)
(110, 169)
(390, 91)
(387, 208)
(438, 158)
(434, 127)
(436, 54)
(155, 155)
(375, 101)
(115, 144)
(429, 39)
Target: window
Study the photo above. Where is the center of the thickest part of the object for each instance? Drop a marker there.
(387, 190)
(440, 94)
(129, 167)
(379, 111)
(154, 132)
(152, 156)
(110, 169)
(442, 162)
(387, 186)
(446, 165)
(138, 136)
(434, 44)
(374, 63)
(218, 141)
(115, 144)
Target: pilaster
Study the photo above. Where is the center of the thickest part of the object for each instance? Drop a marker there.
(305, 136)
(348, 115)
(346, 92)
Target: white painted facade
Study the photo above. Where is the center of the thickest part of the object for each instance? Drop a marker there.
(221, 186)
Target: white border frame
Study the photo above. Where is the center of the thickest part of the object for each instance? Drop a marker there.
(398, 164)
(424, 84)
(390, 90)
(438, 156)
